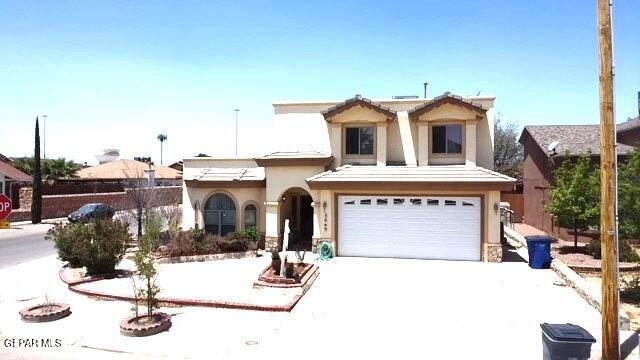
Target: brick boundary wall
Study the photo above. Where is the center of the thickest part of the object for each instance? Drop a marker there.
(57, 206)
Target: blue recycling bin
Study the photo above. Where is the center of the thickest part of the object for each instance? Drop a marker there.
(539, 247)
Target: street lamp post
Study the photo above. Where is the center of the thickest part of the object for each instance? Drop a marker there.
(236, 111)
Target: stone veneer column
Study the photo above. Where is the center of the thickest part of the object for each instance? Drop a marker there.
(423, 144)
(493, 253)
(271, 238)
(315, 239)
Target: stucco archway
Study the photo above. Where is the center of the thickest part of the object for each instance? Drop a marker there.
(296, 206)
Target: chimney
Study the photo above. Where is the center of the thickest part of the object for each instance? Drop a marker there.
(150, 175)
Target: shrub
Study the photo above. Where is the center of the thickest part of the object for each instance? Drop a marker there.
(98, 245)
(631, 290)
(626, 253)
(68, 239)
(106, 247)
(251, 233)
(232, 245)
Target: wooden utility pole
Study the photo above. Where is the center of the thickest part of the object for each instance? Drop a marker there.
(608, 188)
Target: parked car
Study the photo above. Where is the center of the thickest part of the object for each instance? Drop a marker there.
(92, 211)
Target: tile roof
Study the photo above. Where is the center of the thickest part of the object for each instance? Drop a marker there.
(447, 97)
(354, 101)
(12, 172)
(126, 169)
(296, 155)
(628, 125)
(412, 174)
(230, 174)
(572, 139)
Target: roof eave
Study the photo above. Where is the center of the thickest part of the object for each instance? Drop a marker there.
(320, 184)
(301, 161)
(235, 183)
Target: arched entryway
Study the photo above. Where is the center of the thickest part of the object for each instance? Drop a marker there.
(219, 214)
(295, 205)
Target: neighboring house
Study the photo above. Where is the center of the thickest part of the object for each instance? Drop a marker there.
(11, 179)
(407, 178)
(629, 132)
(176, 166)
(540, 163)
(125, 170)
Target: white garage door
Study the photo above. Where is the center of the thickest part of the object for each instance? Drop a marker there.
(421, 227)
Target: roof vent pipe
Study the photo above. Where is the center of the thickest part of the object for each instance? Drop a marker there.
(426, 83)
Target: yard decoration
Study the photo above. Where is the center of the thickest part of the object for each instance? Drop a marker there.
(45, 312)
(325, 251)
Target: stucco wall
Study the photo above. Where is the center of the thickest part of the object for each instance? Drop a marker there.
(241, 197)
(491, 217)
(56, 206)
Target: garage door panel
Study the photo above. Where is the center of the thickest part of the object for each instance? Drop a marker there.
(409, 226)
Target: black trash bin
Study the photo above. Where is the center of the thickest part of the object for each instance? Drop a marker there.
(565, 341)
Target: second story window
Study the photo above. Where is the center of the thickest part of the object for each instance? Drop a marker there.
(359, 140)
(446, 139)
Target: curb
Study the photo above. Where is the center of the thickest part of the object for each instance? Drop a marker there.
(72, 285)
(573, 280)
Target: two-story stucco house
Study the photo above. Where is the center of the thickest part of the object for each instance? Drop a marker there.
(407, 178)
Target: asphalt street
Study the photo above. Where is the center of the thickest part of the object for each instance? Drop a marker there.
(23, 243)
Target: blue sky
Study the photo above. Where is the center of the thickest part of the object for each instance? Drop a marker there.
(113, 74)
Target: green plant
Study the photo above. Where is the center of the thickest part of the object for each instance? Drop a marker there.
(626, 253)
(276, 262)
(288, 271)
(631, 290)
(628, 195)
(69, 240)
(36, 201)
(106, 246)
(98, 245)
(574, 199)
(145, 266)
(232, 245)
(251, 233)
(325, 250)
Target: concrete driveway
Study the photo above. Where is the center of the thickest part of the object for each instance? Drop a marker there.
(360, 307)
(434, 309)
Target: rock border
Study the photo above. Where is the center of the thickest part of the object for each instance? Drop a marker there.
(208, 257)
(28, 314)
(128, 327)
(572, 279)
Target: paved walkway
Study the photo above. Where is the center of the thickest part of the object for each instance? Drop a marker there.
(527, 230)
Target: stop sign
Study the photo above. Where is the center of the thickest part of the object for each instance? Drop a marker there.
(5, 206)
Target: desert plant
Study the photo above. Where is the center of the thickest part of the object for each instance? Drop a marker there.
(626, 253)
(288, 270)
(106, 247)
(172, 214)
(300, 256)
(232, 245)
(276, 262)
(98, 245)
(69, 240)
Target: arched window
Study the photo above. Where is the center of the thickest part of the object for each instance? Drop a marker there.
(219, 215)
(250, 216)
